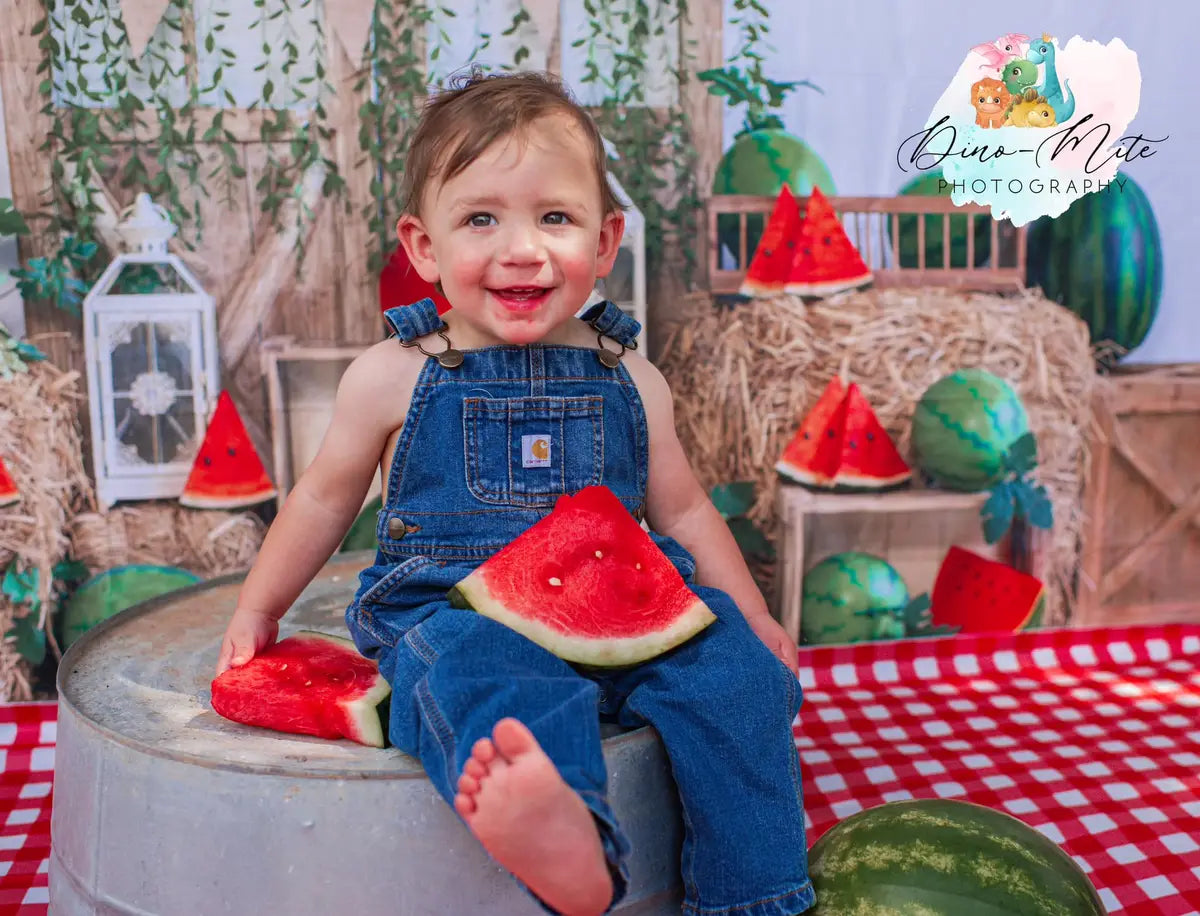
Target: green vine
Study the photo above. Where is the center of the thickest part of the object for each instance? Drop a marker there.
(658, 159)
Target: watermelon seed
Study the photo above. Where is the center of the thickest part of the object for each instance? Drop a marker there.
(637, 565)
(232, 452)
(283, 667)
(308, 683)
(870, 437)
(554, 580)
(599, 555)
(853, 444)
(831, 434)
(207, 461)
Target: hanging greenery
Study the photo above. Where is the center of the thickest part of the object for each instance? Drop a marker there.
(163, 124)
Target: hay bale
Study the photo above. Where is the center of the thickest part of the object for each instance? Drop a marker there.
(41, 445)
(206, 542)
(743, 378)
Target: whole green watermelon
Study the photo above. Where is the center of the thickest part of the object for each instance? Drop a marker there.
(927, 185)
(852, 597)
(1103, 260)
(963, 427)
(941, 857)
(761, 162)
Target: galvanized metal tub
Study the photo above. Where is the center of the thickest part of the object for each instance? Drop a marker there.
(163, 807)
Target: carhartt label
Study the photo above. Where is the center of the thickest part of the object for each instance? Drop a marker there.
(535, 451)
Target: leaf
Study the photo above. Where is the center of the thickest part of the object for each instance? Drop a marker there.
(28, 638)
(916, 612)
(11, 220)
(733, 499)
(997, 512)
(20, 587)
(750, 539)
(1033, 503)
(1022, 455)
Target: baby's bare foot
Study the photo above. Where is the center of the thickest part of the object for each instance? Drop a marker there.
(531, 822)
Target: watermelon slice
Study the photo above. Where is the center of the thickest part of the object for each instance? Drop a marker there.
(985, 596)
(843, 449)
(768, 270)
(826, 261)
(308, 684)
(588, 584)
(400, 284)
(9, 493)
(227, 472)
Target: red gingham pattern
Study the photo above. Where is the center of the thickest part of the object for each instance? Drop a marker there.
(1090, 736)
(27, 733)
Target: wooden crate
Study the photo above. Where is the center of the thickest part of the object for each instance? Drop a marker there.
(910, 529)
(1141, 536)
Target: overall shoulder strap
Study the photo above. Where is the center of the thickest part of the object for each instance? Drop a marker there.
(408, 322)
(609, 320)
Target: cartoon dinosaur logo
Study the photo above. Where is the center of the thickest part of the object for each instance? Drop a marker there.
(990, 98)
(1063, 103)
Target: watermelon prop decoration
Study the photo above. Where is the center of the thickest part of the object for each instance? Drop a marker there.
(944, 857)
(1103, 260)
(588, 584)
(772, 261)
(852, 597)
(400, 284)
(311, 683)
(979, 595)
(114, 590)
(826, 260)
(763, 162)
(841, 445)
(227, 472)
(9, 493)
(963, 428)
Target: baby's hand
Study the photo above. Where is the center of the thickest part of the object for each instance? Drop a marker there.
(776, 639)
(248, 633)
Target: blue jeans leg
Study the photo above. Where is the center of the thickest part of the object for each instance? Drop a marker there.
(724, 706)
(471, 673)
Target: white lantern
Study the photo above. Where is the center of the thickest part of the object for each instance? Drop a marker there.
(626, 283)
(150, 341)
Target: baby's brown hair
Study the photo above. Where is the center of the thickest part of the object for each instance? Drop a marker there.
(478, 109)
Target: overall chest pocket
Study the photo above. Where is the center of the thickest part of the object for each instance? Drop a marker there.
(529, 451)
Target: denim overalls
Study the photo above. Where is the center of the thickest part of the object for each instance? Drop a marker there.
(462, 484)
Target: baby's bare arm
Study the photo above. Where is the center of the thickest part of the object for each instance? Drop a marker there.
(677, 506)
(372, 399)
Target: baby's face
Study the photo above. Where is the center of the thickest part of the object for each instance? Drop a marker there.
(518, 237)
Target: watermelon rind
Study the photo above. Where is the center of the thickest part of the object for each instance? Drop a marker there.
(945, 857)
(610, 652)
(114, 590)
(229, 500)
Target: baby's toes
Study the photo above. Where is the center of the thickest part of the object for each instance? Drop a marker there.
(464, 805)
(484, 751)
(467, 785)
(475, 769)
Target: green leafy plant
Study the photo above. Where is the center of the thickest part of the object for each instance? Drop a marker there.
(1016, 496)
(749, 85)
(20, 587)
(11, 220)
(16, 354)
(57, 279)
(733, 501)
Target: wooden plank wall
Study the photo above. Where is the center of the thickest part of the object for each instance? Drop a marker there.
(241, 259)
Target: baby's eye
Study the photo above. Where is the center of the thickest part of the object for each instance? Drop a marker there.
(557, 218)
(480, 220)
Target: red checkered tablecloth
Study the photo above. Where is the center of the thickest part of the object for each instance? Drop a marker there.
(27, 733)
(1090, 736)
